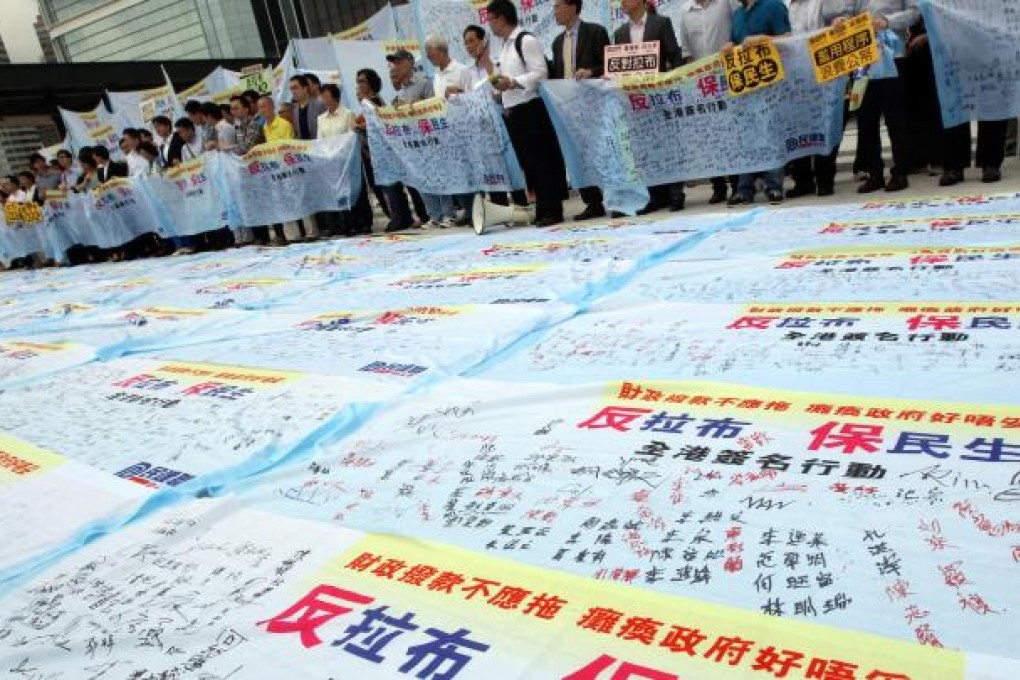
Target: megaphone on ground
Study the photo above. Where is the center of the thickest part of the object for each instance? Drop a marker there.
(486, 214)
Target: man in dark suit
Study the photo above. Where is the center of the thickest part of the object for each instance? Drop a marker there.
(578, 53)
(105, 168)
(645, 26)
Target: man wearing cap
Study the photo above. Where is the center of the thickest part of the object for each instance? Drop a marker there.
(410, 88)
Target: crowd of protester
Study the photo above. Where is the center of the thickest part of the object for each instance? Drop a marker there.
(907, 103)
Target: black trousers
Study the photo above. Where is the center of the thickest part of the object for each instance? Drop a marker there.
(260, 235)
(922, 109)
(824, 167)
(361, 217)
(419, 205)
(592, 197)
(400, 210)
(720, 184)
(663, 195)
(884, 98)
(991, 146)
(815, 171)
(534, 141)
(380, 195)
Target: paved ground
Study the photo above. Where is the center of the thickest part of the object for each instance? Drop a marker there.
(846, 192)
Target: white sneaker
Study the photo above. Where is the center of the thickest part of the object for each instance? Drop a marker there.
(431, 224)
(448, 223)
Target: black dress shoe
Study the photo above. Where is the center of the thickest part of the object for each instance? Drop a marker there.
(871, 184)
(650, 208)
(590, 213)
(799, 190)
(950, 177)
(678, 204)
(548, 221)
(617, 215)
(825, 191)
(897, 182)
(989, 175)
(717, 197)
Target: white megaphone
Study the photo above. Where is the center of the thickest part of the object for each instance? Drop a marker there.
(485, 214)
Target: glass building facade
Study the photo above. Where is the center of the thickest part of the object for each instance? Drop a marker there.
(165, 30)
(322, 17)
(153, 30)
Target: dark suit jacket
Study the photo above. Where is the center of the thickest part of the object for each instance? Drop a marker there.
(657, 27)
(112, 169)
(591, 48)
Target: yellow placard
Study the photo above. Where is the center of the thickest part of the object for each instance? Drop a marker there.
(22, 214)
(843, 49)
(551, 624)
(19, 459)
(751, 68)
(260, 81)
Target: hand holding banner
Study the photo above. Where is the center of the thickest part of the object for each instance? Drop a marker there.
(652, 130)
(465, 137)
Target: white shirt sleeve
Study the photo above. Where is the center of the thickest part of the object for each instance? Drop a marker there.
(136, 165)
(466, 79)
(535, 69)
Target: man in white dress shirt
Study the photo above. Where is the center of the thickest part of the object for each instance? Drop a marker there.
(705, 26)
(334, 121)
(476, 42)
(451, 78)
(137, 166)
(521, 68)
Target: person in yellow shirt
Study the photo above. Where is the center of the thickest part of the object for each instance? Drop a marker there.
(276, 127)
